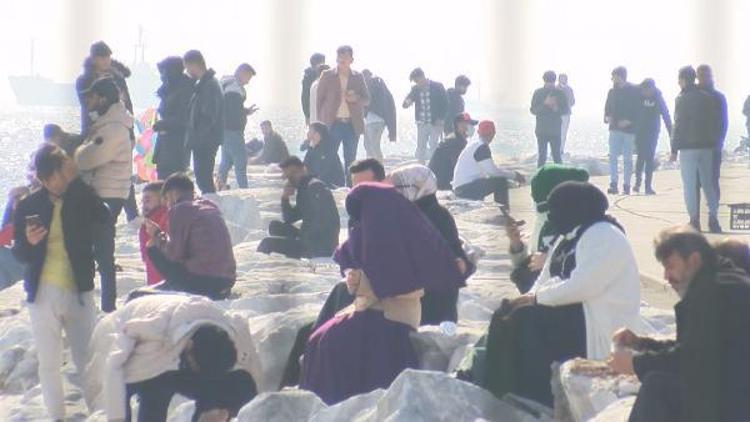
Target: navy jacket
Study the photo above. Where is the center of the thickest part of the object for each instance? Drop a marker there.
(623, 104)
(438, 101)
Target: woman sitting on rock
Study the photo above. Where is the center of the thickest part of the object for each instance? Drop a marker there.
(393, 253)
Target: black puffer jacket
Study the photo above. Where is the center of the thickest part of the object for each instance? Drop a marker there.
(118, 72)
(174, 93)
(324, 163)
(206, 113)
(444, 160)
(316, 208)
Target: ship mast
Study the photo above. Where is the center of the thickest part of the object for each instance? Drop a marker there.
(31, 59)
(139, 47)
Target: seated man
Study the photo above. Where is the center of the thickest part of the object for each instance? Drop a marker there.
(196, 256)
(702, 376)
(443, 161)
(476, 174)
(154, 210)
(318, 235)
(161, 345)
(274, 148)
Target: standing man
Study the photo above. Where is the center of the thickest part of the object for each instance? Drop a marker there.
(380, 113)
(621, 113)
(720, 118)
(455, 102)
(694, 138)
(653, 111)
(562, 84)
(174, 95)
(205, 130)
(341, 100)
(106, 161)
(235, 119)
(311, 75)
(549, 104)
(430, 105)
(746, 112)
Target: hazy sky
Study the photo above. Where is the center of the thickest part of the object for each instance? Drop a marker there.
(502, 45)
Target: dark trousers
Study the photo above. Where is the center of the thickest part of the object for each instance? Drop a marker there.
(284, 239)
(542, 141)
(131, 206)
(658, 399)
(439, 306)
(522, 345)
(229, 391)
(178, 278)
(480, 188)
(204, 160)
(343, 132)
(104, 253)
(646, 149)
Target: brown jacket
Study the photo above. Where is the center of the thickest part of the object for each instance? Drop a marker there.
(329, 98)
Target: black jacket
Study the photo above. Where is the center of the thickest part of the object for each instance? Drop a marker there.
(710, 355)
(316, 208)
(175, 95)
(307, 80)
(119, 72)
(549, 119)
(444, 159)
(454, 107)
(382, 103)
(653, 111)
(721, 120)
(274, 150)
(443, 221)
(694, 120)
(623, 104)
(438, 101)
(81, 209)
(324, 163)
(205, 125)
(235, 113)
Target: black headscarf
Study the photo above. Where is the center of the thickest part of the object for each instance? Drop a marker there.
(572, 204)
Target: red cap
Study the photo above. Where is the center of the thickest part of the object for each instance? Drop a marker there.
(486, 128)
(464, 117)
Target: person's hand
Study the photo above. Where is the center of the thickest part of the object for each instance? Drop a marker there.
(408, 102)
(513, 231)
(157, 126)
(525, 300)
(621, 362)
(351, 96)
(35, 234)
(673, 157)
(253, 108)
(626, 339)
(151, 228)
(461, 264)
(289, 190)
(622, 124)
(536, 263)
(214, 415)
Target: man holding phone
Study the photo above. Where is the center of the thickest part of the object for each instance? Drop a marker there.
(54, 238)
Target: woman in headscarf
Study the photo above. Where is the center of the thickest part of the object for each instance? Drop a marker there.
(418, 184)
(393, 253)
(589, 287)
(322, 160)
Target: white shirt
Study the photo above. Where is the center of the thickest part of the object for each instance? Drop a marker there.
(475, 162)
(314, 101)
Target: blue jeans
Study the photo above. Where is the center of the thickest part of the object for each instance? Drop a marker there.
(104, 253)
(697, 166)
(343, 132)
(621, 143)
(233, 154)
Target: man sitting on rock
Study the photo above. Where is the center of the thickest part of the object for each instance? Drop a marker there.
(274, 147)
(702, 376)
(161, 345)
(196, 257)
(318, 235)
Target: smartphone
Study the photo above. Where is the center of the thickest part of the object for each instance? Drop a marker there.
(34, 220)
(509, 218)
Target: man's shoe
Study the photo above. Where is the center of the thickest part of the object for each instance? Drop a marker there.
(713, 225)
(625, 190)
(612, 190)
(696, 224)
(637, 187)
(650, 191)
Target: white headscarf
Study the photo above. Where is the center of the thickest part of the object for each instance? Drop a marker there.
(414, 181)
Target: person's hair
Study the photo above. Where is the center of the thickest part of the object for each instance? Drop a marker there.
(321, 128)
(48, 159)
(51, 130)
(687, 74)
(462, 80)
(266, 123)
(549, 76)
(371, 164)
(317, 58)
(213, 350)
(683, 240)
(244, 67)
(179, 182)
(736, 251)
(620, 71)
(367, 73)
(416, 73)
(648, 83)
(703, 69)
(345, 49)
(562, 75)
(155, 187)
(292, 161)
(194, 56)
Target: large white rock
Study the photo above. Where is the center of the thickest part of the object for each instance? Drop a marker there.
(285, 406)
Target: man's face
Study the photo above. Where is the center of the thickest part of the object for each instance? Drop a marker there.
(94, 101)
(344, 60)
(679, 272)
(58, 182)
(705, 76)
(171, 197)
(194, 70)
(313, 136)
(462, 127)
(244, 78)
(54, 139)
(618, 81)
(462, 89)
(266, 129)
(150, 201)
(647, 92)
(563, 80)
(363, 176)
(421, 82)
(102, 63)
(293, 174)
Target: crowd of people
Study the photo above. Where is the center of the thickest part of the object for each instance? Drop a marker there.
(403, 262)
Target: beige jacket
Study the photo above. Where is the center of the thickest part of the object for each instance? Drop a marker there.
(406, 308)
(145, 338)
(328, 99)
(106, 156)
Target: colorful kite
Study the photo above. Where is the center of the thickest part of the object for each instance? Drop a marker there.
(146, 139)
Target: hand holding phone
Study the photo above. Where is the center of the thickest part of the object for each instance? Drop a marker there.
(35, 230)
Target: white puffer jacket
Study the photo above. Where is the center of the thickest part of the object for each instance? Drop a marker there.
(146, 337)
(106, 156)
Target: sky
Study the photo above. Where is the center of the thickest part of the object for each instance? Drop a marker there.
(504, 46)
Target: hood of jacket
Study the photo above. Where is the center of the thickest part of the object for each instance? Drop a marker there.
(117, 113)
(231, 84)
(117, 67)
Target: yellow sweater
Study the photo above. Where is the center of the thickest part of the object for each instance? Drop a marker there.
(57, 269)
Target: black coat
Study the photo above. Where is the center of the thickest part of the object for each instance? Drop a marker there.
(695, 118)
(382, 103)
(548, 119)
(205, 124)
(623, 104)
(444, 159)
(324, 163)
(710, 355)
(119, 72)
(307, 80)
(175, 96)
(653, 110)
(316, 208)
(454, 107)
(81, 209)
